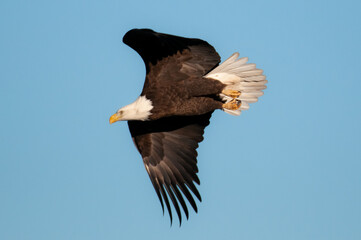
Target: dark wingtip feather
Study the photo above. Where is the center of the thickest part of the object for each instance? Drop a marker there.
(156, 188)
(194, 190)
(180, 199)
(196, 179)
(175, 203)
(164, 194)
(188, 196)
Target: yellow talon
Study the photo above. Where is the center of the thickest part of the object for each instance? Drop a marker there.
(232, 105)
(231, 93)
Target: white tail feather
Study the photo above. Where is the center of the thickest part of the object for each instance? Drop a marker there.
(241, 76)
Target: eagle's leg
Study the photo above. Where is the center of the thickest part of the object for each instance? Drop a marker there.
(232, 105)
(231, 93)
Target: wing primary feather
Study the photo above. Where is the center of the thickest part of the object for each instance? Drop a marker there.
(185, 174)
(177, 179)
(164, 194)
(168, 180)
(180, 198)
(187, 179)
(191, 186)
(172, 176)
(196, 179)
(189, 197)
(156, 188)
(175, 203)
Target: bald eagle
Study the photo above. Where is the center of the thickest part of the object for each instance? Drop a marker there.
(184, 84)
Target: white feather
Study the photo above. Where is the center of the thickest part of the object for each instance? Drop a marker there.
(244, 105)
(253, 84)
(240, 76)
(230, 60)
(254, 72)
(251, 94)
(255, 78)
(226, 78)
(138, 110)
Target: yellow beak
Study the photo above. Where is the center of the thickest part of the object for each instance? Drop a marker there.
(114, 118)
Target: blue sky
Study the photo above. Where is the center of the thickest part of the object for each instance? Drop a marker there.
(288, 168)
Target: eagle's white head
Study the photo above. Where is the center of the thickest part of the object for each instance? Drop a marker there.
(138, 110)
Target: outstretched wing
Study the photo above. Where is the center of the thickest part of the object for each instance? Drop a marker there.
(171, 58)
(168, 147)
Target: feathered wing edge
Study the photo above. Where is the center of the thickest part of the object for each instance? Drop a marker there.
(153, 47)
(168, 147)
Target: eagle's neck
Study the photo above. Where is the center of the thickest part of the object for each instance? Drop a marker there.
(138, 110)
